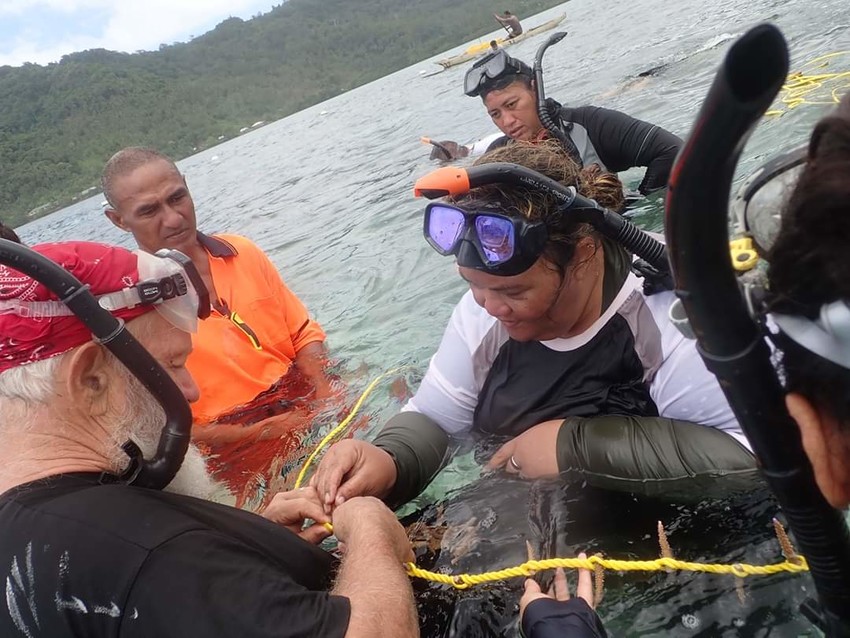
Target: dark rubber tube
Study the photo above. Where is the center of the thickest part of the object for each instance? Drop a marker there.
(729, 340)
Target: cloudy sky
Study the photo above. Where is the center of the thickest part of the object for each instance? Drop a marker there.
(42, 31)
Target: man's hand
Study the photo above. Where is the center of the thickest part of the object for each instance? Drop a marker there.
(366, 520)
(291, 509)
(353, 468)
(532, 454)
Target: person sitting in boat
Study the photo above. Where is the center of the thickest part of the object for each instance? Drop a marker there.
(88, 553)
(556, 345)
(592, 135)
(510, 22)
(259, 345)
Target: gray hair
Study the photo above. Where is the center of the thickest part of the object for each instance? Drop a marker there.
(126, 161)
(32, 383)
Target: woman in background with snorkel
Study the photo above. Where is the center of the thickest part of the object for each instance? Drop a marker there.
(556, 345)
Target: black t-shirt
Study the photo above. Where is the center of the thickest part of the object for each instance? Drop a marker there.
(530, 383)
(90, 560)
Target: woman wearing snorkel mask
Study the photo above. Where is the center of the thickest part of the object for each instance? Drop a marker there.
(556, 346)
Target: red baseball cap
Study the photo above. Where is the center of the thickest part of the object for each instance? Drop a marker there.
(34, 325)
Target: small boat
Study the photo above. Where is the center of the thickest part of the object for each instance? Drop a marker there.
(480, 48)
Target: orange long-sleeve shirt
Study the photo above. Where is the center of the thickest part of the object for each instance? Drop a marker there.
(233, 364)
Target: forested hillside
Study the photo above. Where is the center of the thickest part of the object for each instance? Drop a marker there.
(59, 123)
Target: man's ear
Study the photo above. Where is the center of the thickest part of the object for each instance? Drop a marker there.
(89, 375)
(826, 445)
(115, 218)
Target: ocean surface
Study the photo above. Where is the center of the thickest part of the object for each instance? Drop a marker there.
(327, 192)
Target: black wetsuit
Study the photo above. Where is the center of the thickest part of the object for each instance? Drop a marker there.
(84, 558)
(573, 618)
(616, 141)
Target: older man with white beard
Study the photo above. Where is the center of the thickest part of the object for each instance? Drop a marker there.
(84, 554)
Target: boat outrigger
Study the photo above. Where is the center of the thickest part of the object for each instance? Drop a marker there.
(480, 48)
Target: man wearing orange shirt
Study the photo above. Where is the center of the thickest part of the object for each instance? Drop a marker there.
(256, 331)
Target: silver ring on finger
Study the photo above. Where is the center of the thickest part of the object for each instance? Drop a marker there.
(514, 464)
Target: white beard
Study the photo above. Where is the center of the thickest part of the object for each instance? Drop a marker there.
(142, 422)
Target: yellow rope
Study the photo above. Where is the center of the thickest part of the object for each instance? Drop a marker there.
(741, 570)
(800, 85)
(341, 427)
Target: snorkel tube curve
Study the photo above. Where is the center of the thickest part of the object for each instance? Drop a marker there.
(453, 181)
(542, 112)
(729, 340)
(155, 473)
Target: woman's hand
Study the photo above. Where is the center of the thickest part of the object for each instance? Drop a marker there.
(532, 454)
(291, 509)
(555, 613)
(560, 589)
(353, 468)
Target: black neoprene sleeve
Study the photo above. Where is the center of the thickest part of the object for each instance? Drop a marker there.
(654, 456)
(419, 447)
(573, 618)
(622, 141)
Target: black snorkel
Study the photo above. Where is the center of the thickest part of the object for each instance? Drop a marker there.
(155, 473)
(542, 111)
(729, 339)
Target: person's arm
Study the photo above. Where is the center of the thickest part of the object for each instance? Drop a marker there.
(419, 449)
(413, 446)
(645, 455)
(269, 428)
(312, 360)
(306, 335)
(653, 455)
(372, 575)
(623, 142)
(499, 18)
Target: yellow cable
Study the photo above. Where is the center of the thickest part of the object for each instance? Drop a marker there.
(741, 570)
(340, 428)
(800, 84)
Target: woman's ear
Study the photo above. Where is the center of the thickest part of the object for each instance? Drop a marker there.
(88, 379)
(584, 259)
(826, 445)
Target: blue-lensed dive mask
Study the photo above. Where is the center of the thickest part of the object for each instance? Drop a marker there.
(493, 242)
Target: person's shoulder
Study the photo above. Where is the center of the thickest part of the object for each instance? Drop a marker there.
(499, 142)
(239, 242)
(140, 517)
